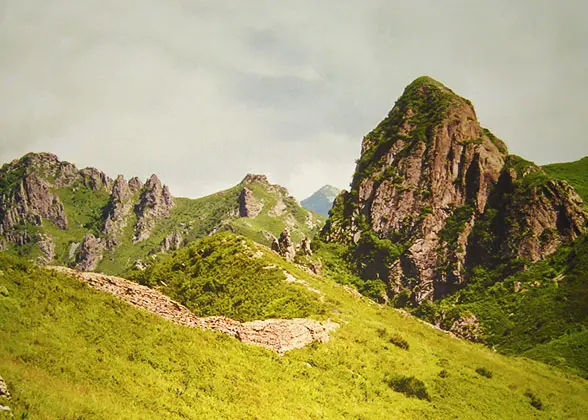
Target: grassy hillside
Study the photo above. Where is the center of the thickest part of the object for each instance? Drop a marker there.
(71, 352)
(576, 173)
(540, 312)
(230, 275)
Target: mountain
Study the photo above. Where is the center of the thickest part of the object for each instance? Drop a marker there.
(73, 346)
(435, 195)
(56, 213)
(322, 200)
(576, 173)
(441, 219)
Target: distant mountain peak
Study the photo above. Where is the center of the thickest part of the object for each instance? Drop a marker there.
(322, 200)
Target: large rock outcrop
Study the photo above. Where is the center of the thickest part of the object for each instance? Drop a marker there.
(119, 207)
(89, 253)
(154, 204)
(424, 179)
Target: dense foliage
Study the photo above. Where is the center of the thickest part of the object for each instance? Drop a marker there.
(228, 275)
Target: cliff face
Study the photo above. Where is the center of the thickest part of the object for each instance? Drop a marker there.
(423, 181)
(83, 219)
(39, 192)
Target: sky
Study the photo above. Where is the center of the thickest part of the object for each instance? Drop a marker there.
(203, 92)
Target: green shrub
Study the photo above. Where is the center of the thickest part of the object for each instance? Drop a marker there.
(409, 386)
(535, 401)
(482, 371)
(443, 374)
(400, 342)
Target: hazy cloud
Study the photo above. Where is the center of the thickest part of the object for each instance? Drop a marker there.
(202, 92)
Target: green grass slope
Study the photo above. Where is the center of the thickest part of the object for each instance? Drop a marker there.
(576, 173)
(70, 352)
(526, 311)
(230, 275)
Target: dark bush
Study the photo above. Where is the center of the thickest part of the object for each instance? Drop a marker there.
(535, 401)
(443, 374)
(482, 371)
(409, 386)
(400, 342)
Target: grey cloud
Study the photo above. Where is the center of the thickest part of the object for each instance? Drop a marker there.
(202, 92)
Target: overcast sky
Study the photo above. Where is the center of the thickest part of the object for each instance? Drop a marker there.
(203, 92)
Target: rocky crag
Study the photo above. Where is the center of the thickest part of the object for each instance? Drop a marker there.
(41, 196)
(54, 212)
(435, 194)
(279, 335)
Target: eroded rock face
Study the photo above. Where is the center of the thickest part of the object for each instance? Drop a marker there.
(95, 179)
(47, 248)
(154, 204)
(528, 216)
(279, 335)
(89, 253)
(249, 206)
(32, 201)
(119, 207)
(172, 242)
(424, 179)
(284, 246)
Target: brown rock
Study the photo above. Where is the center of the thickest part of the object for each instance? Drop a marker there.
(248, 204)
(89, 253)
(119, 207)
(425, 177)
(47, 247)
(154, 204)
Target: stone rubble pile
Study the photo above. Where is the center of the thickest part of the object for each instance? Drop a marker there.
(279, 335)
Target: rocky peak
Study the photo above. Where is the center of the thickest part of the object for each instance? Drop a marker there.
(423, 179)
(95, 179)
(135, 184)
(155, 202)
(29, 200)
(255, 178)
(119, 207)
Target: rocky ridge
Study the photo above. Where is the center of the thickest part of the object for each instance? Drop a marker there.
(279, 335)
(129, 220)
(32, 191)
(427, 174)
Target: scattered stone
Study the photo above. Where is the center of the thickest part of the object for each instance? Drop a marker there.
(4, 392)
(279, 335)
(467, 326)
